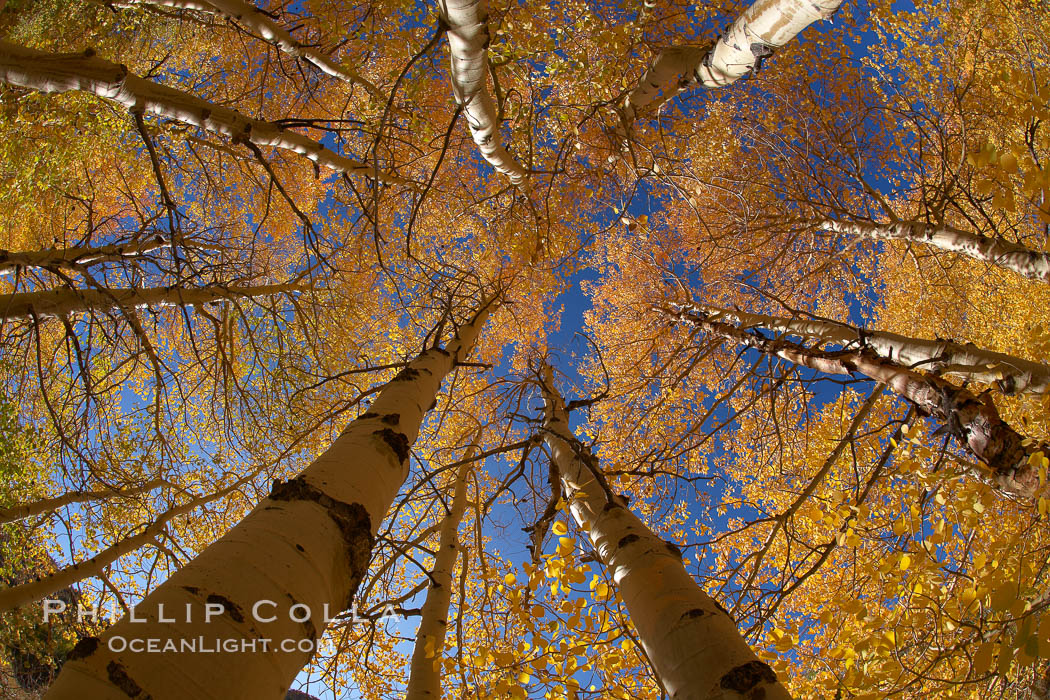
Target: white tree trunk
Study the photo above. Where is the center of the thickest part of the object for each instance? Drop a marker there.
(306, 547)
(468, 40)
(973, 420)
(764, 27)
(47, 72)
(1033, 264)
(49, 505)
(259, 23)
(60, 302)
(695, 648)
(1011, 374)
(72, 257)
(424, 681)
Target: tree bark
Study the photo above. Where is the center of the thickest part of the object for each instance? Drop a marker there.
(468, 39)
(424, 681)
(49, 505)
(74, 257)
(305, 547)
(263, 26)
(695, 648)
(60, 302)
(1010, 374)
(47, 72)
(1033, 264)
(972, 420)
(764, 27)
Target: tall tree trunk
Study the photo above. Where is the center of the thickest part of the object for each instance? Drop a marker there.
(1033, 264)
(263, 26)
(49, 505)
(59, 302)
(74, 257)
(47, 72)
(468, 40)
(695, 648)
(305, 547)
(1011, 374)
(424, 681)
(764, 27)
(972, 420)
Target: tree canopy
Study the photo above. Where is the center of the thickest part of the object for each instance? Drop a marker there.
(556, 350)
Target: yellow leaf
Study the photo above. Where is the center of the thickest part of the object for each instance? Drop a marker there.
(559, 528)
(982, 659)
(904, 563)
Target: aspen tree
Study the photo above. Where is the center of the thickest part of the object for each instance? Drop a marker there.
(1010, 374)
(47, 72)
(424, 679)
(60, 302)
(262, 25)
(468, 40)
(762, 29)
(77, 256)
(1033, 264)
(1013, 459)
(28, 510)
(306, 547)
(695, 648)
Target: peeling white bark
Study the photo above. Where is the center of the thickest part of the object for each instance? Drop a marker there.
(73, 257)
(60, 302)
(47, 72)
(1033, 264)
(468, 40)
(764, 27)
(1011, 374)
(695, 648)
(424, 681)
(259, 23)
(973, 420)
(307, 544)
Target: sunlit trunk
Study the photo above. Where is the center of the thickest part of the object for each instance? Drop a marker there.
(60, 302)
(1033, 264)
(305, 547)
(1010, 374)
(468, 40)
(11, 261)
(424, 681)
(764, 27)
(695, 648)
(47, 72)
(973, 420)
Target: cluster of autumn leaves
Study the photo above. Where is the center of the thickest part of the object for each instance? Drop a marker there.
(226, 228)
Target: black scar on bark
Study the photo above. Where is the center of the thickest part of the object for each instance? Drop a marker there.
(84, 648)
(392, 418)
(120, 678)
(609, 505)
(368, 414)
(627, 539)
(228, 606)
(690, 614)
(406, 375)
(744, 679)
(398, 442)
(673, 548)
(352, 519)
(719, 606)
